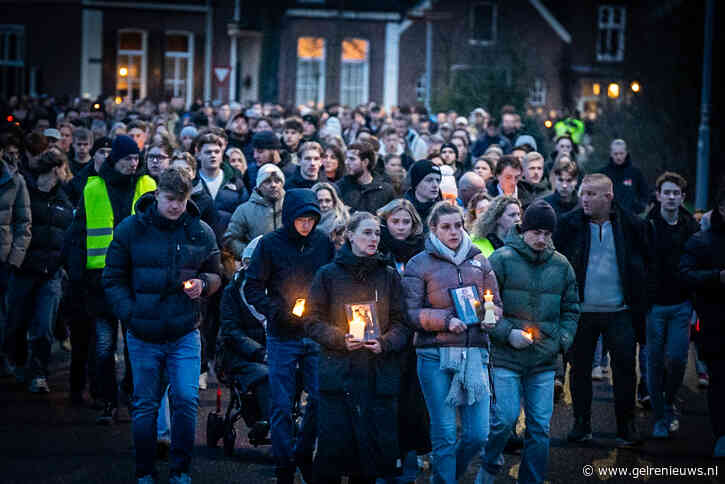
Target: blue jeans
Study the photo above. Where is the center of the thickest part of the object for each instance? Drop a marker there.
(106, 344)
(181, 360)
(450, 456)
(163, 422)
(601, 357)
(33, 306)
(668, 340)
(537, 391)
(285, 356)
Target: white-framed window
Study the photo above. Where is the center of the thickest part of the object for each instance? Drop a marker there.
(179, 65)
(612, 25)
(483, 23)
(420, 89)
(354, 72)
(310, 84)
(537, 93)
(12, 60)
(131, 64)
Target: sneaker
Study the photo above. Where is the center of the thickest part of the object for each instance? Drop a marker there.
(203, 381)
(39, 385)
(674, 425)
(107, 415)
(597, 373)
(179, 479)
(629, 437)
(65, 344)
(582, 431)
(558, 391)
(660, 431)
(646, 402)
(703, 380)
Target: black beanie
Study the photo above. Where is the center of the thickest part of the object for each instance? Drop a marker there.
(451, 146)
(266, 140)
(420, 170)
(103, 142)
(122, 146)
(539, 216)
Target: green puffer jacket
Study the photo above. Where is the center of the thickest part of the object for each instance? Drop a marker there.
(540, 295)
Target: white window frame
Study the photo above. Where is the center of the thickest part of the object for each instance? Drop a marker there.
(494, 24)
(365, 75)
(538, 92)
(6, 30)
(143, 53)
(323, 76)
(612, 28)
(189, 56)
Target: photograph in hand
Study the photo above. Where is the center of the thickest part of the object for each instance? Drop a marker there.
(467, 303)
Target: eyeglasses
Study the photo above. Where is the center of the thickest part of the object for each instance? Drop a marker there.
(157, 157)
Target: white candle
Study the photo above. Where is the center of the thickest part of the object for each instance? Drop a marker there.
(357, 328)
(489, 318)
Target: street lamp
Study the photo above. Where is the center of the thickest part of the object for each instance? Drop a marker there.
(123, 71)
(613, 90)
(635, 86)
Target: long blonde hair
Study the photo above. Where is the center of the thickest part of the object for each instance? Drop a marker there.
(487, 223)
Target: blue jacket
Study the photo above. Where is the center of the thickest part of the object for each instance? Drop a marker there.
(147, 263)
(284, 264)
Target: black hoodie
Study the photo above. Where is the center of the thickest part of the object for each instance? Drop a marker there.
(284, 264)
(630, 187)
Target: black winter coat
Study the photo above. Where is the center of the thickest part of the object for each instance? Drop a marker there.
(700, 267)
(206, 206)
(78, 183)
(423, 208)
(632, 237)
(284, 264)
(231, 194)
(243, 340)
(358, 390)
(147, 263)
(296, 181)
(559, 205)
(524, 195)
(630, 185)
(365, 198)
(52, 215)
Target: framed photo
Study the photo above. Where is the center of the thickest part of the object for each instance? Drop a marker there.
(467, 303)
(362, 320)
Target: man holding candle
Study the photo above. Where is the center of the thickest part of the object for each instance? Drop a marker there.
(540, 314)
(161, 261)
(280, 273)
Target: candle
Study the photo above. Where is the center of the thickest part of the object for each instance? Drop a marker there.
(188, 284)
(489, 318)
(529, 335)
(357, 328)
(299, 308)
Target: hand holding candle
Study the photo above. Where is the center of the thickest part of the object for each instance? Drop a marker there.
(357, 328)
(193, 288)
(299, 308)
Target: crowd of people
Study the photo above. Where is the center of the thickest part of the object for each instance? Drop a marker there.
(348, 255)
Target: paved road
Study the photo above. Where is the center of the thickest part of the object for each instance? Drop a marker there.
(45, 440)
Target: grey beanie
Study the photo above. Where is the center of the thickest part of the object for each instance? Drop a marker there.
(189, 131)
(267, 170)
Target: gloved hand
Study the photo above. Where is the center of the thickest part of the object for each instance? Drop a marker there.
(518, 339)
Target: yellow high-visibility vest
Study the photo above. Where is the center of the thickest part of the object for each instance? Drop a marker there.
(99, 217)
(484, 245)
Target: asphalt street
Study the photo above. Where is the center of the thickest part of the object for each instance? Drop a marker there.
(43, 439)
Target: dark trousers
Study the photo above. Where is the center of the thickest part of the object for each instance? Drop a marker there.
(716, 393)
(106, 344)
(618, 334)
(82, 337)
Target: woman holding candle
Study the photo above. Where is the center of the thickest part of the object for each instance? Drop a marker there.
(451, 355)
(359, 380)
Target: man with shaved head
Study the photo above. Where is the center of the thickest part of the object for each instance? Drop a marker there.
(630, 185)
(607, 246)
(469, 184)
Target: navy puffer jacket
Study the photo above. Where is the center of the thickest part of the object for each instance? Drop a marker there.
(147, 263)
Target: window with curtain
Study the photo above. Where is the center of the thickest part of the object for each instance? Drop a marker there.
(354, 72)
(178, 65)
(310, 83)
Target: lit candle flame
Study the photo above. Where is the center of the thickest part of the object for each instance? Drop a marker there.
(357, 327)
(188, 284)
(299, 308)
(529, 334)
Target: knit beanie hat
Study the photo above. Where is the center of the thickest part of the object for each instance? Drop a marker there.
(267, 170)
(266, 140)
(122, 146)
(190, 131)
(539, 216)
(102, 142)
(451, 146)
(420, 170)
(525, 139)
